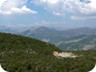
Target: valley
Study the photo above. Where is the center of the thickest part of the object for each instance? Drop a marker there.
(75, 39)
(19, 53)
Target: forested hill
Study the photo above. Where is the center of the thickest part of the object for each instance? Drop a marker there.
(15, 42)
(23, 54)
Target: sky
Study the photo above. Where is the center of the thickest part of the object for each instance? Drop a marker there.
(61, 14)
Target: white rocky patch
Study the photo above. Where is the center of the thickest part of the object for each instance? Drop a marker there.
(64, 54)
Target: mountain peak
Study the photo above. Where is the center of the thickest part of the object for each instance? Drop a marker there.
(39, 30)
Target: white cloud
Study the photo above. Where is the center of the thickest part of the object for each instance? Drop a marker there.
(50, 1)
(14, 7)
(82, 17)
(56, 13)
(8, 4)
(2, 1)
(59, 7)
(89, 7)
(93, 3)
(15, 10)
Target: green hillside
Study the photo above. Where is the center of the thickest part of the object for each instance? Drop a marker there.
(23, 54)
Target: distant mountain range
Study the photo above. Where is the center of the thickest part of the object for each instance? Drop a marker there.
(6, 29)
(51, 31)
(66, 39)
(13, 29)
(80, 31)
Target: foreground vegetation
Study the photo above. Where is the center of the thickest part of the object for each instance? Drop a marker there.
(23, 54)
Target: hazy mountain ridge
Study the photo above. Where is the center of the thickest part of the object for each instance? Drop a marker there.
(65, 39)
(66, 33)
(80, 31)
(75, 37)
(13, 29)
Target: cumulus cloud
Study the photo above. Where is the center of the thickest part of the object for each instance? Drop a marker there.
(2, 1)
(59, 7)
(14, 6)
(15, 10)
(50, 1)
(89, 7)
